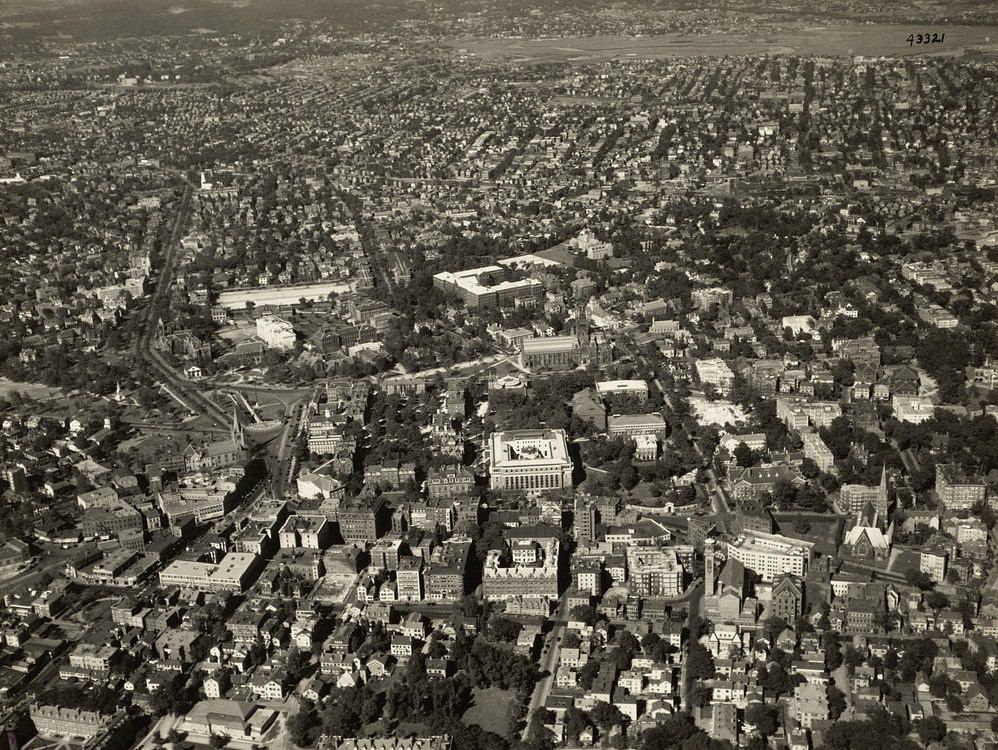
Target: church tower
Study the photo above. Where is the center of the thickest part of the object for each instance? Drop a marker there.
(582, 325)
(882, 494)
(236, 430)
(709, 567)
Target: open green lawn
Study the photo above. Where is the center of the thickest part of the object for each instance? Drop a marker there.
(35, 391)
(491, 710)
(823, 533)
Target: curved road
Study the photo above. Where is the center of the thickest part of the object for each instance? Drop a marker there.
(159, 306)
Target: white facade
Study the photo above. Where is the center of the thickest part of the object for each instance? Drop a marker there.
(914, 409)
(769, 555)
(637, 388)
(275, 332)
(715, 372)
(633, 425)
(654, 572)
(817, 451)
(529, 460)
(646, 447)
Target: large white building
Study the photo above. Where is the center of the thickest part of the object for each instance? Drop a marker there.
(914, 409)
(534, 572)
(610, 388)
(275, 332)
(325, 436)
(817, 451)
(654, 572)
(529, 460)
(769, 555)
(487, 287)
(798, 413)
(633, 425)
(234, 573)
(645, 447)
(799, 324)
(715, 372)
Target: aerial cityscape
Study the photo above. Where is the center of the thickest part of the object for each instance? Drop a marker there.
(498, 375)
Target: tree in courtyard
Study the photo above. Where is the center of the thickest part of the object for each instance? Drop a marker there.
(584, 613)
(700, 665)
(836, 702)
(809, 469)
(930, 729)
(606, 716)
(539, 737)
(936, 600)
(762, 717)
(576, 722)
(504, 629)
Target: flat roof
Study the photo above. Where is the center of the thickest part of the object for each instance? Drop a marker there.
(232, 567)
(468, 280)
(189, 568)
(234, 564)
(772, 543)
(635, 419)
(616, 386)
(642, 560)
(279, 295)
(550, 344)
(530, 259)
(713, 363)
(303, 523)
(525, 447)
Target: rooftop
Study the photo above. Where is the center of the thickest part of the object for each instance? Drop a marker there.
(524, 447)
(609, 387)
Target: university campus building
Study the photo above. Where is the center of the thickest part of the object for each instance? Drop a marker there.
(529, 460)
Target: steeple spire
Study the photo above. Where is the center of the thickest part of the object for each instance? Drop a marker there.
(236, 430)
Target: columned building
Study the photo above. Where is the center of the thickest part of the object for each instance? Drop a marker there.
(530, 460)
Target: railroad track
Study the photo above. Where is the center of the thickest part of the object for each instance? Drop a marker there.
(158, 307)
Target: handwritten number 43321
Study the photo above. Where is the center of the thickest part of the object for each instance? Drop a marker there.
(914, 39)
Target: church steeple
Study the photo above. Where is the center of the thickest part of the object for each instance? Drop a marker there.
(236, 429)
(882, 492)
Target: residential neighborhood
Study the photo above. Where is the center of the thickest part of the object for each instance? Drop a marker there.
(499, 376)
